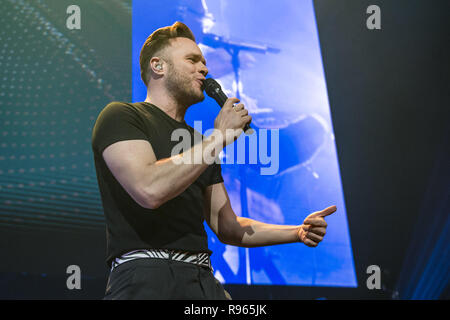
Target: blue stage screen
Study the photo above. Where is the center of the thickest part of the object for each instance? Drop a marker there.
(278, 75)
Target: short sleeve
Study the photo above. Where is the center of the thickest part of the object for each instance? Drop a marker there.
(116, 122)
(216, 174)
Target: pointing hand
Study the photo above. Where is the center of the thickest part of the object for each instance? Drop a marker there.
(313, 229)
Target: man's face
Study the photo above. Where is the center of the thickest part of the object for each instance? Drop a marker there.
(187, 71)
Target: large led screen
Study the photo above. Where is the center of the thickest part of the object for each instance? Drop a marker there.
(267, 54)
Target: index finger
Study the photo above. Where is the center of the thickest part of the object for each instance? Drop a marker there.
(324, 212)
(230, 102)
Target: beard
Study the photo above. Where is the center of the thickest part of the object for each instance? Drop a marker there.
(181, 87)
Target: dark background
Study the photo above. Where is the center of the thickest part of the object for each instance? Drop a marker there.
(389, 97)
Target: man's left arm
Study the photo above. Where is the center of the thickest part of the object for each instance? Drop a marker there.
(245, 232)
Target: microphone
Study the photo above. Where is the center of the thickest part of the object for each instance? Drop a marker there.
(213, 89)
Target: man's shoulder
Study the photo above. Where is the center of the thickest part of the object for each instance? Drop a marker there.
(119, 111)
(119, 104)
(123, 107)
(115, 106)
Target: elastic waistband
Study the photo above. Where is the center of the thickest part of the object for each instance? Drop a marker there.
(201, 259)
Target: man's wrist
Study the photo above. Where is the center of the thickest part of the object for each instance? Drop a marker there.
(299, 233)
(212, 146)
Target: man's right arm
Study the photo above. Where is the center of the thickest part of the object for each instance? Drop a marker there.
(150, 182)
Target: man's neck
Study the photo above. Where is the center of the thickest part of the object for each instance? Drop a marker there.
(167, 103)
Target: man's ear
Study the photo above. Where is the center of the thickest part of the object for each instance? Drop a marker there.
(157, 65)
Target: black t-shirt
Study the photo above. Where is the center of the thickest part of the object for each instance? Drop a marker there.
(178, 223)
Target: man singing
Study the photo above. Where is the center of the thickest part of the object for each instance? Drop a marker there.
(155, 204)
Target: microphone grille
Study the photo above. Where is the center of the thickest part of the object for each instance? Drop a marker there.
(211, 85)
